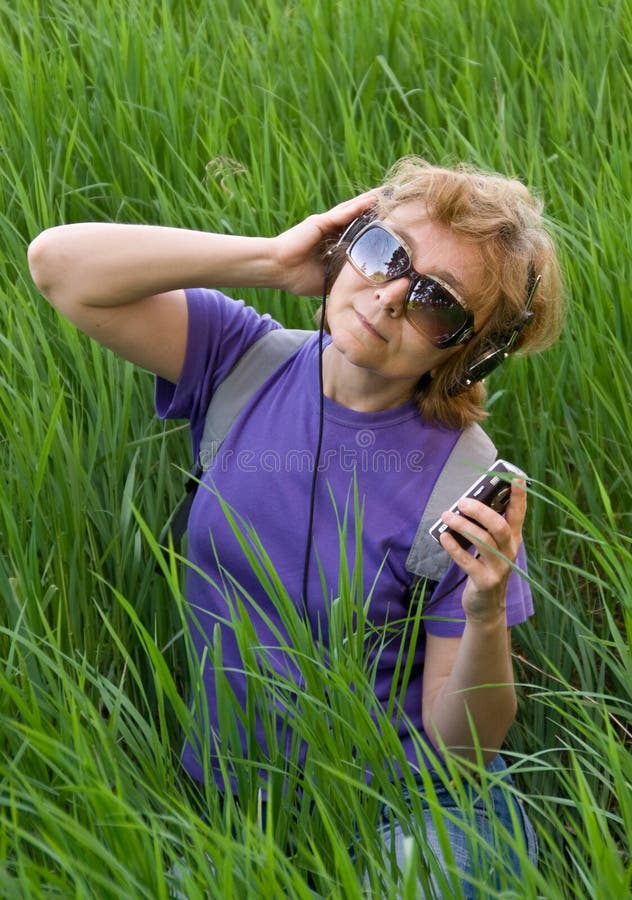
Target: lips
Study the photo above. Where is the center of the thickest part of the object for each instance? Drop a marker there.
(367, 325)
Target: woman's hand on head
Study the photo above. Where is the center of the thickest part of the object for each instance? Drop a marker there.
(299, 251)
(497, 540)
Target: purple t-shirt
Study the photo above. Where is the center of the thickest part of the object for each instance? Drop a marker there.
(386, 462)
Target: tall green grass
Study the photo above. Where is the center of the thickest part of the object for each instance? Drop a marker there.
(245, 117)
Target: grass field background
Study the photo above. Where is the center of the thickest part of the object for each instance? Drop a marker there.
(245, 117)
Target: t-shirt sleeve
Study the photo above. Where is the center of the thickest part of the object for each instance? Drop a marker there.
(443, 614)
(220, 331)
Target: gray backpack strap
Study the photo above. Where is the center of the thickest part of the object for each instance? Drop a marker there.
(248, 374)
(472, 454)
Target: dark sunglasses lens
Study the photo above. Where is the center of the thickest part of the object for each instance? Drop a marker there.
(378, 255)
(435, 311)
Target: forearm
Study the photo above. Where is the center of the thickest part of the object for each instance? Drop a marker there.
(103, 265)
(478, 696)
(100, 264)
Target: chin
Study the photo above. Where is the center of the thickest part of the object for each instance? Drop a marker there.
(348, 344)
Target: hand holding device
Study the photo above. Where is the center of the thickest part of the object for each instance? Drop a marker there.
(491, 489)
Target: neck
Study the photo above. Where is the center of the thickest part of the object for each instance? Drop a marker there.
(361, 389)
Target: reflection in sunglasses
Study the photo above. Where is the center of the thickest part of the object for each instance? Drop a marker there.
(432, 307)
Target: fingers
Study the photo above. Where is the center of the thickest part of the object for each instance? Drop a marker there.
(496, 541)
(298, 251)
(477, 525)
(517, 507)
(486, 562)
(320, 226)
(340, 215)
(485, 527)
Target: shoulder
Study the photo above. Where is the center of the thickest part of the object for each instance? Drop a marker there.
(220, 331)
(215, 315)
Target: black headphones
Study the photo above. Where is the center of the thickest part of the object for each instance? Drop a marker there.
(352, 229)
(500, 345)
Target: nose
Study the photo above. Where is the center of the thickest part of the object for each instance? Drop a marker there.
(391, 296)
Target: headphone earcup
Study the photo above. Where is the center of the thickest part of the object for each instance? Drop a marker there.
(334, 256)
(479, 368)
(353, 228)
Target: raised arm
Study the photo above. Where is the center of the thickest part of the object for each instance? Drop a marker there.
(468, 681)
(122, 284)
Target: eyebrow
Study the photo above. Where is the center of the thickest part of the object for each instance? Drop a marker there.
(449, 277)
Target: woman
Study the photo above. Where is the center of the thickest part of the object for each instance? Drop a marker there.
(440, 270)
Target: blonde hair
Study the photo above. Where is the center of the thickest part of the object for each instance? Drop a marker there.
(505, 221)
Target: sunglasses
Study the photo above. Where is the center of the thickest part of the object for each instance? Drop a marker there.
(432, 307)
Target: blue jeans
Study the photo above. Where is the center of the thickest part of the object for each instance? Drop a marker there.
(471, 844)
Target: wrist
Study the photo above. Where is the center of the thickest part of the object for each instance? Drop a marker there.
(273, 265)
(271, 271)
(488, 621)
(247, 262)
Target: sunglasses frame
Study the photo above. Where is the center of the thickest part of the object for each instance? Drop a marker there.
(462, 335)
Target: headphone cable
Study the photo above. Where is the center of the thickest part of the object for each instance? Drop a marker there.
(319, 444)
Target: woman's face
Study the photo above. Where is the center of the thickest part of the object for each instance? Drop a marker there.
(367, 322)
